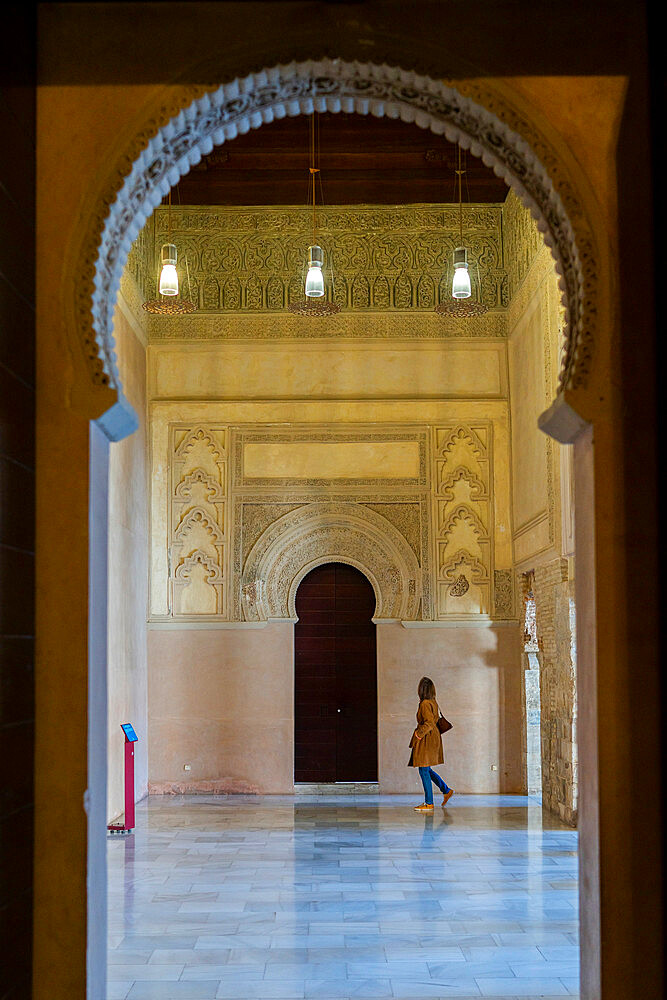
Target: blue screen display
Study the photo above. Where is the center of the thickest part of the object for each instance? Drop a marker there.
(129, 732)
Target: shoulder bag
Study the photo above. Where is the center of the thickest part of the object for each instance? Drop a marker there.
(443, 725)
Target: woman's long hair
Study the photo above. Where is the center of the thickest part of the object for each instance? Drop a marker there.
(426, 689)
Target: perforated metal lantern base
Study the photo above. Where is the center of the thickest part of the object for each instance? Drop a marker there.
(311, 308)
(461, 309)
(170, 306)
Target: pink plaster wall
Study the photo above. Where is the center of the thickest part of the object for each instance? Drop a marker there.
(477, 674)
(221, 700)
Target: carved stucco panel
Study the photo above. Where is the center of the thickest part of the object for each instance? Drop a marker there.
(463, 516)
(503, 594)
(331, 532)
(196, 519)
(379, 255)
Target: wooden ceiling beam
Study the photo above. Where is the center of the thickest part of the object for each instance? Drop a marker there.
(363, 160)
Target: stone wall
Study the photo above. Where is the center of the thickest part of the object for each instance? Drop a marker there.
(531, 666)
(554, 604)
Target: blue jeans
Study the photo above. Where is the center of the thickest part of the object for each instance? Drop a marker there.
(427, 774)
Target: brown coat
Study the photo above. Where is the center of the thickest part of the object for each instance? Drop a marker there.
(427, 750)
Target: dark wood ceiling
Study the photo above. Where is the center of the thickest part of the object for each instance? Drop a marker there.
(363, 160)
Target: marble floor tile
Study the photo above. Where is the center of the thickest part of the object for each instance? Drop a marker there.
(522, 988)
(139, 973)
(118, 991)
(173, 991)
(261, 990)
(424, 988)
(342, 896)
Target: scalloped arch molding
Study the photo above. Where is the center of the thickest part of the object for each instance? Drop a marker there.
(333, 85)
(330, 532)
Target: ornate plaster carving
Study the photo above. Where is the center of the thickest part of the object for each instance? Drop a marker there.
(503, 595)
(257, 517)
(195, 526)
(503, 138)
(398, 325)
(462, 516)
(200, 435)
(198, 481)
(198, 585)
(198, 517)
(383, 258)
(330, 532)
(254, 512)
(199, 558)
(406, 517)
(477, 569)
(459, 587)
(448, 487)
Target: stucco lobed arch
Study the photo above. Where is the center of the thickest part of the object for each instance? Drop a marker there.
(163, 153)
(319, 533)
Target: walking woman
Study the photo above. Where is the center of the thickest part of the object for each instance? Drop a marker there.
(426, 744)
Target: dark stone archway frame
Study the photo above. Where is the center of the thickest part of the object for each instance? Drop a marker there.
(217, 116)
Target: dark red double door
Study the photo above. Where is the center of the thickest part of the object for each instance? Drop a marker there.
(335, 677)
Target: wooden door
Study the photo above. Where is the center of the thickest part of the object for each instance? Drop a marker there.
(335, 677)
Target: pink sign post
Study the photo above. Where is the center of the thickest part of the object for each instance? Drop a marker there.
(130, 739)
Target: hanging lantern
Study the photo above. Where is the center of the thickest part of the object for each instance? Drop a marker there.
(168, 275)
(461, 282)
(315, 278)
(461, 288)
(169, 303)
(314, 302)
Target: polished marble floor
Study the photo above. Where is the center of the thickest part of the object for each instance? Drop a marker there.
(305, 897)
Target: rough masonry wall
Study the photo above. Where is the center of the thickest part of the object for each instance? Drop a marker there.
(542, 499)
(554, 605)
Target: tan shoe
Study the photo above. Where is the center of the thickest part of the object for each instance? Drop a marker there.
(423, 808)
(446, 797)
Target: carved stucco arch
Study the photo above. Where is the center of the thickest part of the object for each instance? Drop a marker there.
(321, 533)
(163, 153)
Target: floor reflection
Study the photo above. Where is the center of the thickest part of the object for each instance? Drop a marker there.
(283, 897)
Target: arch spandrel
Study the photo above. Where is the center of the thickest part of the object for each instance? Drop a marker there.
(177, 136)
(319, 533)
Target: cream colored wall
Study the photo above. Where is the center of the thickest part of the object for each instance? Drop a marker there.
(533, 353)
(478, 677)
(319, 369)
(128, 570)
